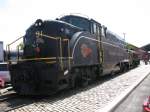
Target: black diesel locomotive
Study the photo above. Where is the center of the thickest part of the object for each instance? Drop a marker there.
(65, 53)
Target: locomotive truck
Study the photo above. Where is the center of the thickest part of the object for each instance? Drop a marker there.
(64, 53)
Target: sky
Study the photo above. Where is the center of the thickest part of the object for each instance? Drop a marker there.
(131, 17)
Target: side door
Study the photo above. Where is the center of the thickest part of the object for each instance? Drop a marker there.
(97, 31)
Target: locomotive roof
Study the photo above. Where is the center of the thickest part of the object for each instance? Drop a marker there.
(117, 36)
(73, 26)
(83, 17)
(87, 18)
(72, 15)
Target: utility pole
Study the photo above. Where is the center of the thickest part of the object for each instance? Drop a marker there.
(124, 35)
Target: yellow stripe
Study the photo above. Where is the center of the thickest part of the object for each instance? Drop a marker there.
(41, 34)
(61, 63)
(34, 59)
(65, 39)
(69, 53)
(51, 62)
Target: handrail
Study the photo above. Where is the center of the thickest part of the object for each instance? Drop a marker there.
(61, 53)
(67, 40)
(8, 47)
(35, 59)
(15, 40)
(40, 34)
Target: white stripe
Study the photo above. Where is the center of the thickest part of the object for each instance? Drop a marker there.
(92, 40)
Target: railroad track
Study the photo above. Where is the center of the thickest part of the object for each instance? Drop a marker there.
(7, 96)
(10, 101)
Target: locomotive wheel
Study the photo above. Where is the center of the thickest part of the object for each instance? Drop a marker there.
(74, 78)
(75, 82)
(122, 67)
(125, 68)
(94, 74)
(79, 78)
(89, 76)
(72, 82)
(84, 76)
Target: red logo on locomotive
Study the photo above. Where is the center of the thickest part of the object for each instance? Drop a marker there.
(85, 50)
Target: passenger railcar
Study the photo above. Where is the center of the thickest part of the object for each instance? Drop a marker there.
(64, 53)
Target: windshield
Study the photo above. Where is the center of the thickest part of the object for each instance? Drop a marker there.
(77, 21)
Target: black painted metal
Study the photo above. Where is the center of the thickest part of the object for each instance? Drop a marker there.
(74, 63)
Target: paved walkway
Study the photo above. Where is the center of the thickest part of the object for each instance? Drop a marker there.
(134, 102)
(89, 99)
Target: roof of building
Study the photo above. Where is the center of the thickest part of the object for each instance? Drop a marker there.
(146, 47)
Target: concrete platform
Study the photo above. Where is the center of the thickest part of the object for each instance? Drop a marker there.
(144, 72)
(134, 102)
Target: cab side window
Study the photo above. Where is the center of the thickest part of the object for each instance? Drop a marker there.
(96, 28)
(104, 31)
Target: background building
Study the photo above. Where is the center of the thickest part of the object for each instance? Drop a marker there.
(1, 52)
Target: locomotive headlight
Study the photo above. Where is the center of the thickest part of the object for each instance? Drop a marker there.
(38, 22)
